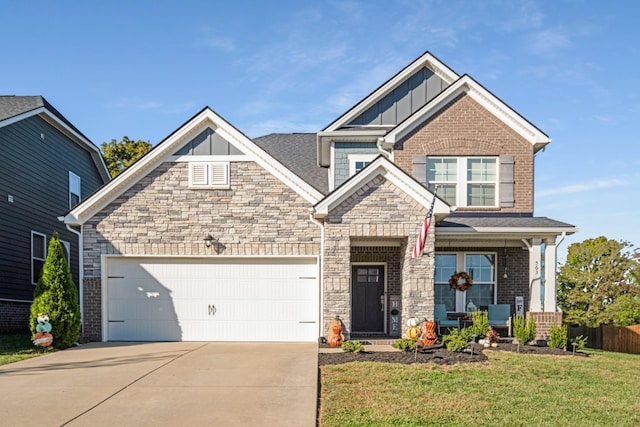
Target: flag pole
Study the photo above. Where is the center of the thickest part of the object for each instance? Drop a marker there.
(421, 241)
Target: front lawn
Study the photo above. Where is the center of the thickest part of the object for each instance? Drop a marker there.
(16, 347)
(510, 389)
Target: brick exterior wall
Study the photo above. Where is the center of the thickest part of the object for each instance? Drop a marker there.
(377, 210)
(465, 128)
(14, 316)
(160, 215)
(544, 322)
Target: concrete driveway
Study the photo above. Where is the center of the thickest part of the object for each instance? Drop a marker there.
(176, 384)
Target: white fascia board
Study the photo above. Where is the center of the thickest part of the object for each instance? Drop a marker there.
(383, 167)
(326, 139)
(505, 231)
(479, 94)
(426, 60)
(165, 151)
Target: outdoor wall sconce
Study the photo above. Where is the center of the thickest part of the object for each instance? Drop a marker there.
(210, 240)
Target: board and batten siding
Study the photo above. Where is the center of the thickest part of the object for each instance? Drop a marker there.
(35, 163)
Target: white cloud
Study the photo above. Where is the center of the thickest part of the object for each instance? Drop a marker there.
(549, 42)
(578, 188)
(223, 43)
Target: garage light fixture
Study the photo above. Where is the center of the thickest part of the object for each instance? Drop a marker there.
(210, 240)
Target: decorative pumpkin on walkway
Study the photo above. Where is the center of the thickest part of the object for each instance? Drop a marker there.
(336, 338)
(42, 337)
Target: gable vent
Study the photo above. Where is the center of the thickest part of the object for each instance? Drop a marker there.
(209, 175)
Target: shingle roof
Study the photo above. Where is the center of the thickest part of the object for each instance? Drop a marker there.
(297, 151)
(473, 221)
(12, 105)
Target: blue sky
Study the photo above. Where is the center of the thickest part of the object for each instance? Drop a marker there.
(142, 68)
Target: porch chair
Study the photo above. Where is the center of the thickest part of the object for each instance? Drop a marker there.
(500, 316)
(440, 317)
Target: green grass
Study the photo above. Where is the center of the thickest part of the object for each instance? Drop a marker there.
(16, 347)
(510, 389)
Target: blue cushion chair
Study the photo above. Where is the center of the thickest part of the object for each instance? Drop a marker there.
(440, 317)
(500, 316)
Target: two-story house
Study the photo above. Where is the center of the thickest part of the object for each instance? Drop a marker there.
(48, 166)
(216, 236)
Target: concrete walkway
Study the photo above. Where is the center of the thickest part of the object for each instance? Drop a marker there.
(167, 384)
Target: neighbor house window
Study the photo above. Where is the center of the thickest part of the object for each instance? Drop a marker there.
(209, 174)
(38, 255)
(74, 189)
(357, 162)
(464, 181)
(66, 252)
(479, 266)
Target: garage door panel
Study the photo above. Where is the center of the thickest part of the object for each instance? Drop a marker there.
(263, 299)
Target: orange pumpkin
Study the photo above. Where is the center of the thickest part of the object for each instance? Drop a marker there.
(43, 339)
(336, 338)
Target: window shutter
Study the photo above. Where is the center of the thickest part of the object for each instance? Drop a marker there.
(219, 173)
(419, 170)
(198, 173)
(507, 181)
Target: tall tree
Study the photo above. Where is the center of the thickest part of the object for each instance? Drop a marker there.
(119, 155)
(591, 282)
(56, 296)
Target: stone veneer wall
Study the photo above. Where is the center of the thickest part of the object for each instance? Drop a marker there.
(160, 215)
(465, 128)
(378, 209)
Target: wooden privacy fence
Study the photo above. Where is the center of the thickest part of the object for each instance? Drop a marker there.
(610, 338)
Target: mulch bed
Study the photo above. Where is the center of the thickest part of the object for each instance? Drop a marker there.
(438, 355)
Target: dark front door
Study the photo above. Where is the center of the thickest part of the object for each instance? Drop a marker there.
(367, 287)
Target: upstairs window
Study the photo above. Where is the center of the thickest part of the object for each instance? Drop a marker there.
(464, 181)
(38, 255)
(209, 175)
(74, 189)
(357, 162)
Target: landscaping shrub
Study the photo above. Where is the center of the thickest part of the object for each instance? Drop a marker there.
(524, 329)
(56, 296)
(480, 326)
(404, 344)
(580, 341)
(558, 337)
(457, 340)
(352, 347)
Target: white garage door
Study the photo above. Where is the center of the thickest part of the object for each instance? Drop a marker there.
(232, 299)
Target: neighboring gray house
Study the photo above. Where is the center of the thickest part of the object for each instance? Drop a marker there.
(47, 167)
(214, 236)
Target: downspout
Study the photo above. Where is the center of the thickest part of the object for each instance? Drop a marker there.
(321, 272)
(80, 272)
(382, 150)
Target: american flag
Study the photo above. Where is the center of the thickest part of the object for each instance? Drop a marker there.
(422, 237)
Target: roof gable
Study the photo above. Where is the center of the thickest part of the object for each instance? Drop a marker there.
(17, 108)
(409, 83)
(186, 134)
(381, 166)
(467, 85)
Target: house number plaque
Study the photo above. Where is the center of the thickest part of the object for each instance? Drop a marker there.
(212, 309)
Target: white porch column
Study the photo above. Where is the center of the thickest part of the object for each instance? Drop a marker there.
(535, 262)
(550, 250)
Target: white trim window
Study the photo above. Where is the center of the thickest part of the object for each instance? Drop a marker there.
(38, 255)
(465, 181)
(481, 268)
(66, 246)
(209, 175)
(74, 189)
(357, 162)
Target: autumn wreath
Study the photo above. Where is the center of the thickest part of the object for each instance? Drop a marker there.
(460, 281)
